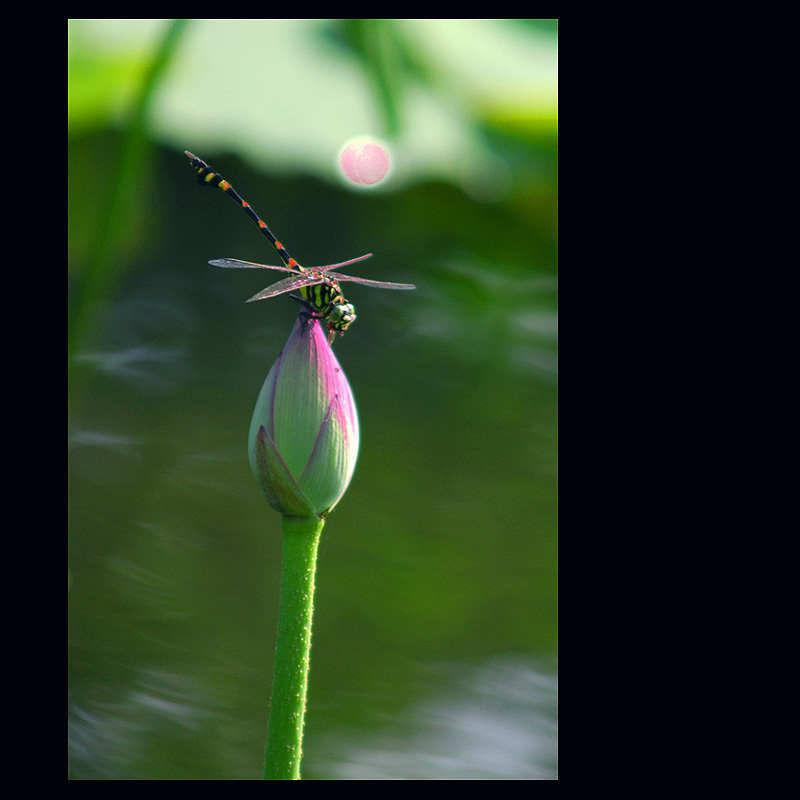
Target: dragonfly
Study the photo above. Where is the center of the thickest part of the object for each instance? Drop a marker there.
(318, 287)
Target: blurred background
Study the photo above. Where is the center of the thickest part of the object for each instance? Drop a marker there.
(436, 628)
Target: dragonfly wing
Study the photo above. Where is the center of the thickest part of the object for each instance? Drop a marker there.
(377, 284)
(344, 263)
(235, 263)
(286, 285)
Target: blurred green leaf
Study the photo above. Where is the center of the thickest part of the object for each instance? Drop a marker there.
(102, 268)
(98, 86)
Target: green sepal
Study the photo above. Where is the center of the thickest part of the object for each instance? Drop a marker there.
(325, 483)
(283, 492)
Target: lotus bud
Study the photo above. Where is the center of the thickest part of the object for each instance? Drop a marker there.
(304, 437)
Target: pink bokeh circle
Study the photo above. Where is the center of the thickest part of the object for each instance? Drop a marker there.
(365, 160)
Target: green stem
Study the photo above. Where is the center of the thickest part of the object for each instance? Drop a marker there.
(290, 682)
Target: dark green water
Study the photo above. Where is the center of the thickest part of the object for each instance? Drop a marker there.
(436, 627)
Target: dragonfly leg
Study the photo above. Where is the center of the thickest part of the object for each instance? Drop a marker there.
(303, 302)
(312, 314)
(309, 313)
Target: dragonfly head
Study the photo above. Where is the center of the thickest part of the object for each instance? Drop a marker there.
(341, 317)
